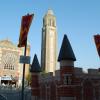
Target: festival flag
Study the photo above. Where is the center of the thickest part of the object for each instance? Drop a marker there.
(25, 25)
(97, 43)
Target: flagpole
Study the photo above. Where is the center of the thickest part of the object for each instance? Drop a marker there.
(23, 77)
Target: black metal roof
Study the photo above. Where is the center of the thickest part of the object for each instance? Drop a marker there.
(35, 67)
(66, 51)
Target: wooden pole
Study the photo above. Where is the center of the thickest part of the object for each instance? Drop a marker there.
(23, 72)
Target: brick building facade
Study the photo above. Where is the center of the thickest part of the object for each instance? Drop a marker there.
(69, 82)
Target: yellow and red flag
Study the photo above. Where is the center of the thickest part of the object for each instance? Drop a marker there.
(25, 25)
(97, 43)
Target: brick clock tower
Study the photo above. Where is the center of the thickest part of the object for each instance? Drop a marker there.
(49, 43)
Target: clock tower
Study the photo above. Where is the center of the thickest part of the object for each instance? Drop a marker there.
(49, 43)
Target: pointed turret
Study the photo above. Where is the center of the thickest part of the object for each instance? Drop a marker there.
(66, 52)
(35, 67)
(66, 59)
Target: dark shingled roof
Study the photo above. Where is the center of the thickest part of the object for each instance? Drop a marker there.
(35, 67)
(66, 52)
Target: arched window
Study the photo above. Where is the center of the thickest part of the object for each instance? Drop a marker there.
(9, 61)
(53, 23)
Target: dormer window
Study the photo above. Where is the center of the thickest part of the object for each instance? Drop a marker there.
(67, 79)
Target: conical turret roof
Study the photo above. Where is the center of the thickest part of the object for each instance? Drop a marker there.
(66, 52)
(35, 67)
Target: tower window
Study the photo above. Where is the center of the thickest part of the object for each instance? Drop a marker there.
(50, 22)
(53, 23)
(67, 79)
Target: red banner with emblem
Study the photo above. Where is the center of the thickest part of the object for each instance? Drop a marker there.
(25, 25)
(97, 43)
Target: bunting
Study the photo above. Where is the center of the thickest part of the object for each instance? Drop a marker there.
(25, 25)
(97, 43)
